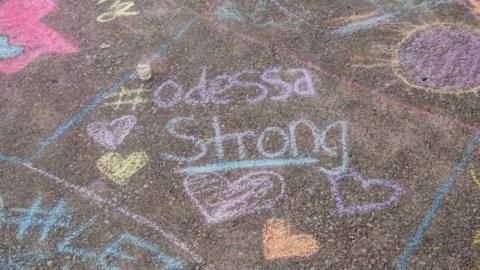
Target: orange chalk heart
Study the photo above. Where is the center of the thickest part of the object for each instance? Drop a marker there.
(279, 243)
(475, 6)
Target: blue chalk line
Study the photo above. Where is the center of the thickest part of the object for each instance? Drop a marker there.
(229, 11)
(104, 94)
(245, 164)
(367, 23)
(388, 17)
(9, 159)
(78, 116)
(441, 195)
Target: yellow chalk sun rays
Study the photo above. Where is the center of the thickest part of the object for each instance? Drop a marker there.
(389, 56)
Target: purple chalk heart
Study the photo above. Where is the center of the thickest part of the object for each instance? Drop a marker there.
(342, 207)
(111, 135)
(220, 199)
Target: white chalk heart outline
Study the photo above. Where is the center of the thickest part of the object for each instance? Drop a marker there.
(236, 204)
(342, 207)
(111, 135)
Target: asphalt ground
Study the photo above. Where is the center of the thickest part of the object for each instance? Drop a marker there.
(272, 134)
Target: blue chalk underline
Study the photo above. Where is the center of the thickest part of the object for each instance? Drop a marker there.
(245, 164)
(441, 195)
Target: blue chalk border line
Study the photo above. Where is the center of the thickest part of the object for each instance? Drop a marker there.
(439, 198)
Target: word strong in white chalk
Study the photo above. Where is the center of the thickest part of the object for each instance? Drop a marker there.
(276, 84)
(331, 141)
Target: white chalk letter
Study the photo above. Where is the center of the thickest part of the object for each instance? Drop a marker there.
(345, 149)
(198, 143)
(304, 85)
(175, 98)
(264, 134)
(272, 77)
(318, 139)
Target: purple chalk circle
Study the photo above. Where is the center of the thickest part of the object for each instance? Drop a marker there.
(344, 209)
(112, 134)
(220, 199)
(440, 58)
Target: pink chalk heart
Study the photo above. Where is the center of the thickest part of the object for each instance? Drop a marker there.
(220, 199)
(342, 207)
(21, 21)
(111, 135)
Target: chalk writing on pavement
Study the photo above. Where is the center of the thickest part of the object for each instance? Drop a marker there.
(117, 8)
(278, 84)
(41, 222)
(220, 199)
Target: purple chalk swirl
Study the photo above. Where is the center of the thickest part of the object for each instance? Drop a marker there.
(440, 58)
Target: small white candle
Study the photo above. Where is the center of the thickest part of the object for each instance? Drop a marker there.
(144, 69)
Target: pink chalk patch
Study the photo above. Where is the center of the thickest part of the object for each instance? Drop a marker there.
(20, 22)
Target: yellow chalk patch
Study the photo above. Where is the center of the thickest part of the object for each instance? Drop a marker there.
(476, 240)
(128, 97)
(279, 243)
(104, 45)
(473, 176)
(117, 9)
(118, 169)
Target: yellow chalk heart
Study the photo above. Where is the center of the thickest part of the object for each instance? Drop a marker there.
(118, 169)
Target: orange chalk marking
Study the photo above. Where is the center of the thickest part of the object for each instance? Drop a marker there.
(278, 242)
(475, 6)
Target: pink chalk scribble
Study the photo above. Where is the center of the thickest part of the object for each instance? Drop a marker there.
(20, 22)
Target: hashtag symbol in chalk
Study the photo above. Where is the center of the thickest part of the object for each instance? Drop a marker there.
(127, 97)
(46, 220)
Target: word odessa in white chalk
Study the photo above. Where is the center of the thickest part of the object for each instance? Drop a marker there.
(325, 144)
(277, 84)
